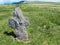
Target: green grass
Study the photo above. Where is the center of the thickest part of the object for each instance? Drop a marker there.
(44, 28)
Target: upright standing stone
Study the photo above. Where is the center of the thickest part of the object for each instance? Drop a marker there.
(19, 23)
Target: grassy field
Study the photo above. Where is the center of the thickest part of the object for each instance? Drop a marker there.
(44, 28)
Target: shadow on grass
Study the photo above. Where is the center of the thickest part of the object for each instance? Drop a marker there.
(10, 34)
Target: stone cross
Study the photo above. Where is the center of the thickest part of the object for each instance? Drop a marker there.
(19, 23)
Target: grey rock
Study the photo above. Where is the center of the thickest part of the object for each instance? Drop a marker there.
(19, 23)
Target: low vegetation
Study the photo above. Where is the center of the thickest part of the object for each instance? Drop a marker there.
(44, 28)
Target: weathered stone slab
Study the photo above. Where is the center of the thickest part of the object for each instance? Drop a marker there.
(19, 23)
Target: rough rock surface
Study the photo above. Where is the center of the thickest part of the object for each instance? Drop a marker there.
(19, 23)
